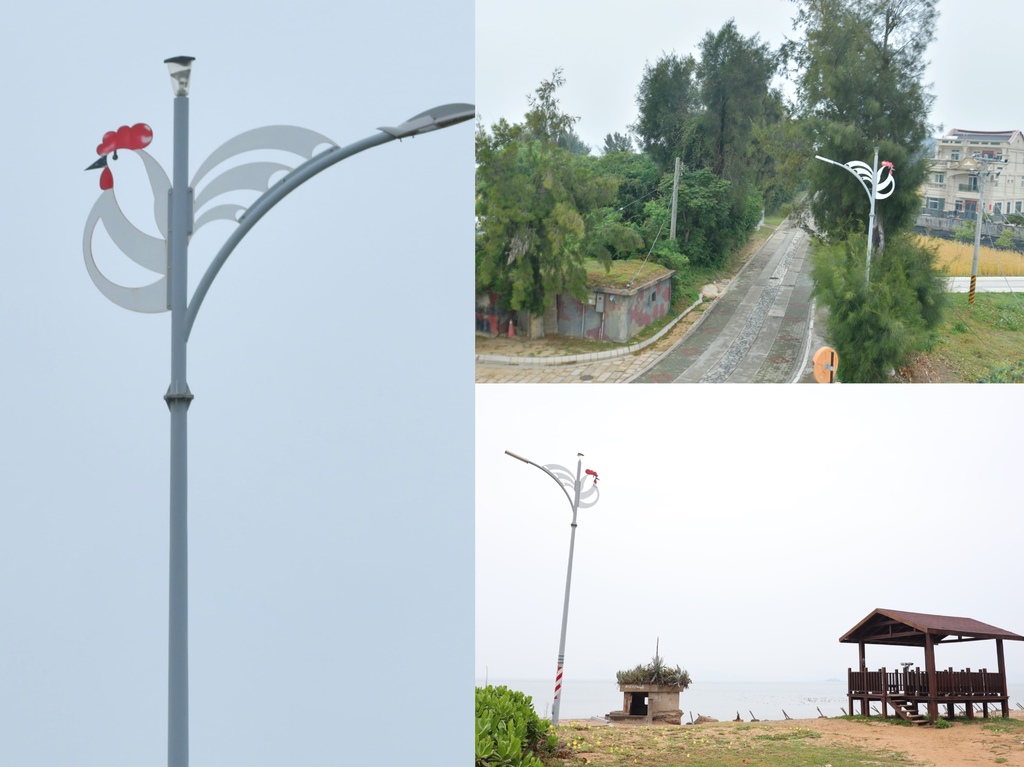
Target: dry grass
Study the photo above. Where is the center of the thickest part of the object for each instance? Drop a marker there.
(955, 258)
(835, 742)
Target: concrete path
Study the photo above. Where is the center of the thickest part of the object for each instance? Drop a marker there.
(986, 285)
(760, 331)
(764, 329)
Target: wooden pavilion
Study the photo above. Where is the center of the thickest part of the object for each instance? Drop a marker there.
(907, 690)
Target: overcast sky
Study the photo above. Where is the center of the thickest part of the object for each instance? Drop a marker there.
(746, 527)
(602, 48)
(331, 432)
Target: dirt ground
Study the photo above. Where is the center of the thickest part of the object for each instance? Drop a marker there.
(927, 369)
(958, 746)
(961, 745)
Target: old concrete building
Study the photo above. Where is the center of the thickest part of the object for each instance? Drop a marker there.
(953, 187)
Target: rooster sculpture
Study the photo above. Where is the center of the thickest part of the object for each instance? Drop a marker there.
(884, 183)
(151, 252)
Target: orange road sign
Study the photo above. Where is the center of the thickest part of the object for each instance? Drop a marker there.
(825, 363)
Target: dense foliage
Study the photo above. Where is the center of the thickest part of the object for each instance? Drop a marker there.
(508, 731)
(861, 65)
(655, 672)
(875, 327)
(544, 205)
(542, 209)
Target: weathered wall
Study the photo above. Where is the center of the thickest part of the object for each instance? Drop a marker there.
(625, 313)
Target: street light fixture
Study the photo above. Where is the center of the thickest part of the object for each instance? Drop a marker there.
(579, 499)
(175, 205)
(878, 190)
(181, 70)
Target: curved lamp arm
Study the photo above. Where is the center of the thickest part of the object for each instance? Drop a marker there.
(268, 200)
(847, 168)
(548, 472)
(433, 119)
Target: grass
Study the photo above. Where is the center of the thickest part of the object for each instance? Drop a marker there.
(955, 259)
(716, 745)
(973, 340)
(622, 272)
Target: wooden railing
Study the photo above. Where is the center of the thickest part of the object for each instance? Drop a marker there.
(914, 683)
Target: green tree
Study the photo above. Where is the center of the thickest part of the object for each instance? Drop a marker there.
(964, 232)
(616, 142)
(861, 67)
(875, 327)
(637, 176)
(540, 208)
(668, 100)
(1005, 238)
(734, 75)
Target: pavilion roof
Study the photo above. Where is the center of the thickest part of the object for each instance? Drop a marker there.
(898, 627)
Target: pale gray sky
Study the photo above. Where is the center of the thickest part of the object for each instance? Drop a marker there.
(747, 527)
(331, 432)
(602, 47)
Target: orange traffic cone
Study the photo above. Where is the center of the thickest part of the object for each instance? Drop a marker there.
(511, 329)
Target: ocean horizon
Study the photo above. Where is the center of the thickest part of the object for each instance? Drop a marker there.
(583, 699)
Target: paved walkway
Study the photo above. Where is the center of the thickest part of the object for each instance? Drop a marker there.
(763, 329)
(757, 331)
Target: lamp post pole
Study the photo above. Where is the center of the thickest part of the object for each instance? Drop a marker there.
(170, 259)
(178, 399)
(578, 499)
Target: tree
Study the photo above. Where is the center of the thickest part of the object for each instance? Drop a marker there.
(668, 101)
(541, 210)
(637, 176)
(964, 232)
(860, 86)
(734, 75)
(546, 122)
(875, 327)
(616, 142)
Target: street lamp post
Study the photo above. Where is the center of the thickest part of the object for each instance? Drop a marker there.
(169, 258)
(580, 498)
(878, 190)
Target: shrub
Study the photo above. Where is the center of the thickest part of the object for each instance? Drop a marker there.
(508, 731)
(655, 672)
(876, 327)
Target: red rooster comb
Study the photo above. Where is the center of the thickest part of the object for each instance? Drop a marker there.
(136, 137)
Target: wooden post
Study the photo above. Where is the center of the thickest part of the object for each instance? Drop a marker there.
(1004, 691)
(885, 694)
(929, 662)
(865, 709)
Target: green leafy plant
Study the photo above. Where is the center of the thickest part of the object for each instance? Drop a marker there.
(655, 672)
(508, 731)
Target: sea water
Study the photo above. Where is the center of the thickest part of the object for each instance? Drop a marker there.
(720, 700)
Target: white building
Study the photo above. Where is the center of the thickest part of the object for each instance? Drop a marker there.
(952, 188)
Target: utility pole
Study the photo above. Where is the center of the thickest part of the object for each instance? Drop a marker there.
(982, 176)
(675, 200)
